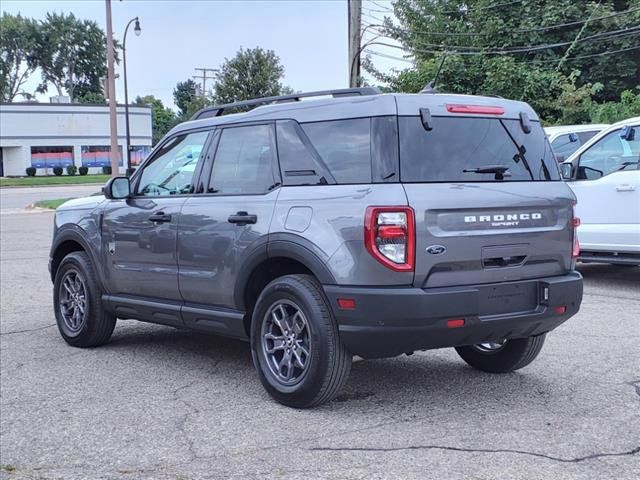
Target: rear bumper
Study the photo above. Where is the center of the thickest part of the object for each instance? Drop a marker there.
(389, 321)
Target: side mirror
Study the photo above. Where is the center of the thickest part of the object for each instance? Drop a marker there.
(628, 133)
(117, 188)
(573, 137)
(567, 170)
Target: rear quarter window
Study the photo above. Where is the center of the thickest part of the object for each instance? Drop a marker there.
(344, 146)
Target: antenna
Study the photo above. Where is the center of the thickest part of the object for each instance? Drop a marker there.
(431, 86)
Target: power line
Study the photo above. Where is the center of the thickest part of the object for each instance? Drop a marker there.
(601, 54)
(465, 50)
(528, 30)
(575, 40)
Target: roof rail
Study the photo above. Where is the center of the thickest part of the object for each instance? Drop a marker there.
(218, 110)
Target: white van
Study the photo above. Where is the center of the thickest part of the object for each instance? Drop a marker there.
(605, 177)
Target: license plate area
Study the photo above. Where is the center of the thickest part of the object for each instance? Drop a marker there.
(507, 298)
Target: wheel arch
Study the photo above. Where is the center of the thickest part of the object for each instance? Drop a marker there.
(67, 241)
(276, 259)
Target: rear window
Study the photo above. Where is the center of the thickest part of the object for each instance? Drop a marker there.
(456, 144)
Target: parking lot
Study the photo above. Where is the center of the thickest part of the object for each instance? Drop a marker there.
(161, 403)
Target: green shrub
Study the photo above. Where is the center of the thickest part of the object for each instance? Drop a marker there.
(57, 171)
(72, 170)
(83, 170)
(106, 170)
(31, 171)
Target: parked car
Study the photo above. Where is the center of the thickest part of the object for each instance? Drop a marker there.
(351, 224)
(566, 139)
(604, 175)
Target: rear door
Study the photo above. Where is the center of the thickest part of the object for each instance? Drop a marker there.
(220, 227)
(473, 227)
(607, 186)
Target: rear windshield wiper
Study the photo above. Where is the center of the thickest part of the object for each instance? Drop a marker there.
(500, 171)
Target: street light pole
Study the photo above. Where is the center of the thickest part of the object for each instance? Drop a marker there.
(137, 30)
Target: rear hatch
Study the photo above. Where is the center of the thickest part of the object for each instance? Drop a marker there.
(489, 202)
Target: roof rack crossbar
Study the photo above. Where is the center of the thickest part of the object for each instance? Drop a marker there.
(218, 110)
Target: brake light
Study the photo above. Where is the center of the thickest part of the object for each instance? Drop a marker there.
(482, 109)
(575, 252)
(390, 236)
(575, 223)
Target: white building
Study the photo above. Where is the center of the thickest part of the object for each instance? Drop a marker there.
(45, 135)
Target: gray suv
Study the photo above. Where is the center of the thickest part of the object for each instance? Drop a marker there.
(355, 223)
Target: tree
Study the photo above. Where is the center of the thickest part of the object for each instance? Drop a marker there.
(163, 119)
(18, 40)
(184, 93)
(72, 55)
(250, 74)
(543, 77)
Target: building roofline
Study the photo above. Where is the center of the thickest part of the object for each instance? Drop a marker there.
(48, 104)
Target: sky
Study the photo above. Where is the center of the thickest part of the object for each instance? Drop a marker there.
(309, 36)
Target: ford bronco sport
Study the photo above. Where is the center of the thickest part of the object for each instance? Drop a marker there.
(355, 223)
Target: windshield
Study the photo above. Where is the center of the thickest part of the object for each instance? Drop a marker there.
(457, 147)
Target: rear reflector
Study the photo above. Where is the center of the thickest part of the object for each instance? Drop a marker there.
(560, 310)
(481, 109)
(455, 323)
(575, 222)
(347, 303)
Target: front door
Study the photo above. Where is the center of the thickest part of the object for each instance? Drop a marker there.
(608, 191)
(228, 222)
(140, 233)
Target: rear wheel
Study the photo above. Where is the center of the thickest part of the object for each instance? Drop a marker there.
(295, 344)
(502, 357)
(77, 301)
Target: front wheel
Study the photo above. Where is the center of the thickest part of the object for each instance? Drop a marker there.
(295, 343)
(77, 301)
(502, 357)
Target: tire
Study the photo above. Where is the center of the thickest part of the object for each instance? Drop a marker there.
(92, 326)
(512, 355)
(327, 362)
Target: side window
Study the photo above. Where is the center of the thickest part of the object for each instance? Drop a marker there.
(565, 145)
(244, 161)
(299, 162)
(344, 146)
(610, 154)
(586, 136)
(171, 170)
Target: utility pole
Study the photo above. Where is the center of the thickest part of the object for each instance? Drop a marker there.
(354, 15)
(204, 78)
(111, 88)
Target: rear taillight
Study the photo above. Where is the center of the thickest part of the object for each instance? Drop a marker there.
(575, 223)
(390, 236)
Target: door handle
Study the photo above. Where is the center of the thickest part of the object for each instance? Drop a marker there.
(625, 188)
(242, 218)
(160, 217)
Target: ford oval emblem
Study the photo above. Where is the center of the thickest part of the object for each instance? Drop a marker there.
(436, 249)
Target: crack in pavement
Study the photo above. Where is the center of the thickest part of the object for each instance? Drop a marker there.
(28, 330)
(635, 384)
(477, 450)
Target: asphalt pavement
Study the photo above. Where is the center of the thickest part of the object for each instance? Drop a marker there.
(17, 198)
(158, 403)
